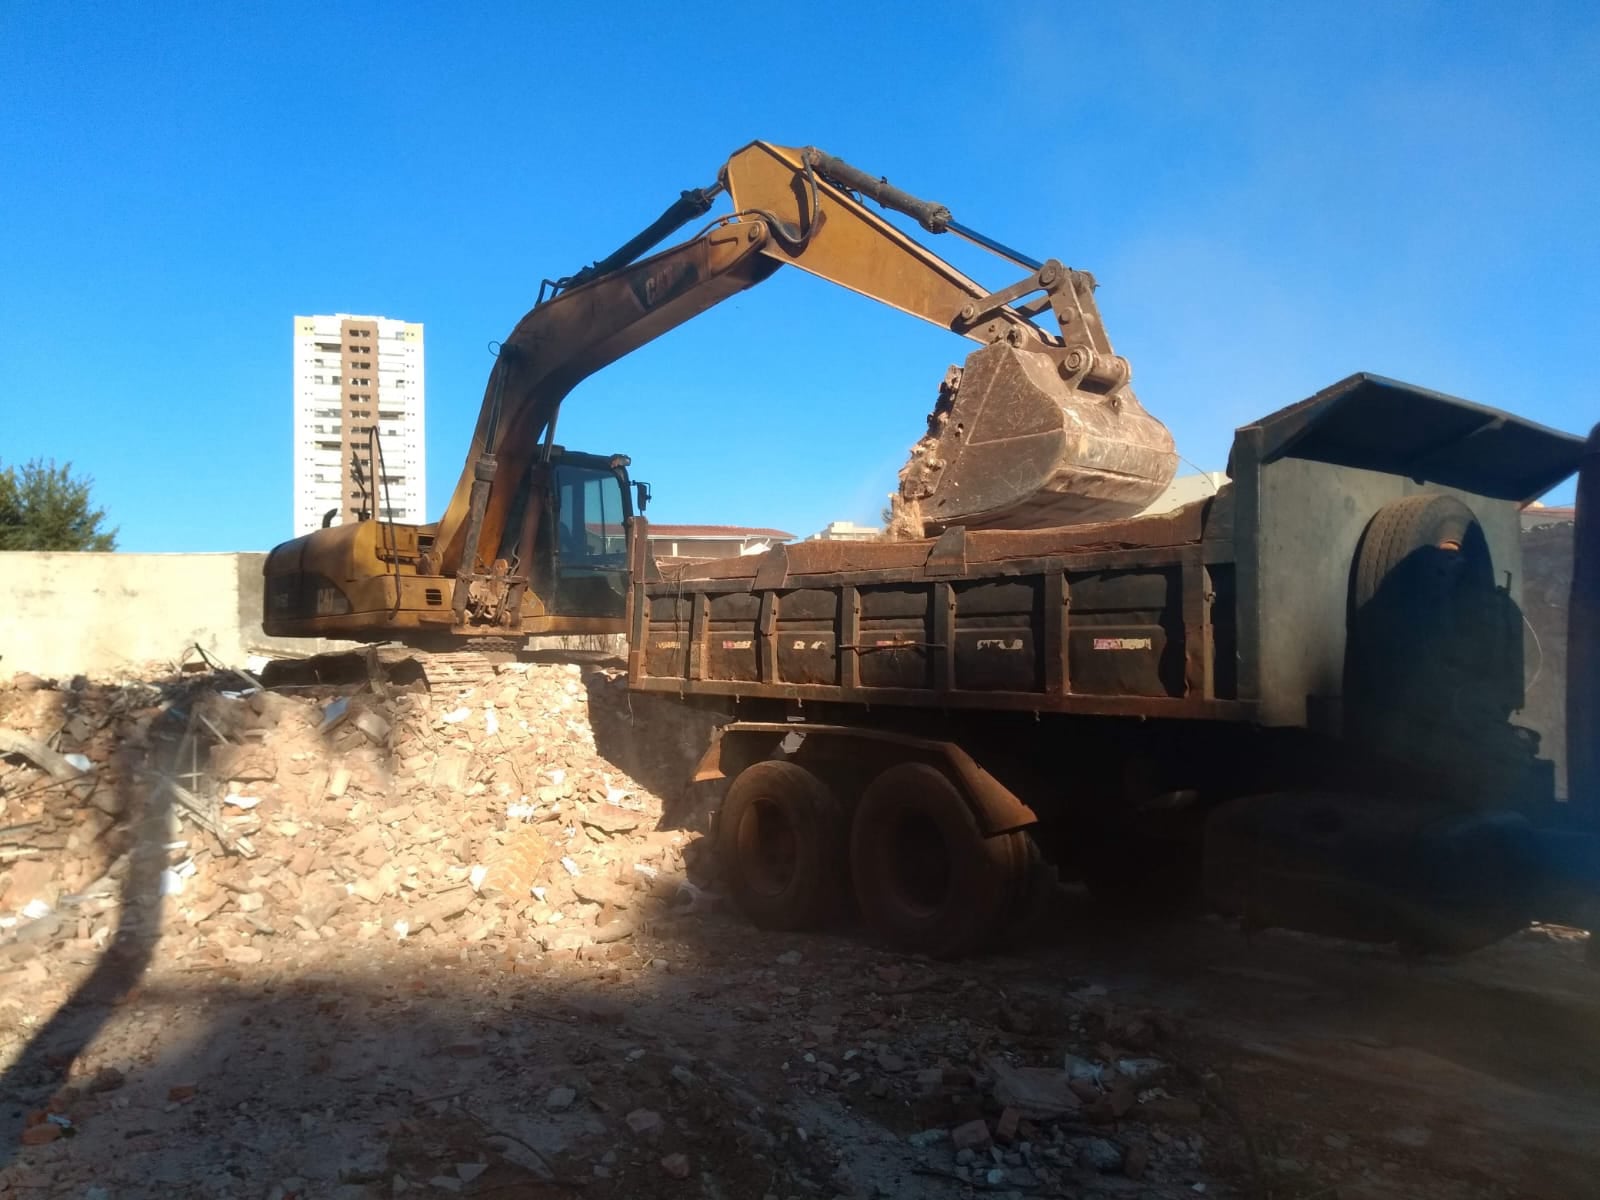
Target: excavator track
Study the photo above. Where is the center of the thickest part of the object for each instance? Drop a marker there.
(478, 662)
(472, 666)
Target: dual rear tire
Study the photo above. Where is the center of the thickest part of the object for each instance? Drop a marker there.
(924, 877)
(781, 841)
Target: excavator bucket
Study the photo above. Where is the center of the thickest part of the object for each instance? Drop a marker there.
(1012, 444)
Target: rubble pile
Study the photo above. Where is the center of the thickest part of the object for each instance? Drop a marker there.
(975, 1080)
(473, 812)
(442, 901)
(71, 759)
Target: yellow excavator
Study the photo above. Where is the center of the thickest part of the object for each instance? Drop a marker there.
(1037, 428)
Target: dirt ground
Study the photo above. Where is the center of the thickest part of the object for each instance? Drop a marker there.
(221, 1043)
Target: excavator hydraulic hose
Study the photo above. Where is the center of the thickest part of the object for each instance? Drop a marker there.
(695, 202)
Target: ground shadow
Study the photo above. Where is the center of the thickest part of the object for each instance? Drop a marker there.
(46, 1062)
(658, 741)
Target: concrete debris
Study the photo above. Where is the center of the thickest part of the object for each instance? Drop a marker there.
(645, 1123)
(107, 1079)
(610, 818)
(1037, 1092)
(300, 815)
(20, 744)
(1140, 1069)
(1082, 1070)
(1098, 1153)
(974, 1135)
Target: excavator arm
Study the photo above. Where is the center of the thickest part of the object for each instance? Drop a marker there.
(1066, 439)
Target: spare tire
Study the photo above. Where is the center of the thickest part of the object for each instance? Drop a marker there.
(926, 878)
(1433, 645)
(780, 837)
(1430, 544)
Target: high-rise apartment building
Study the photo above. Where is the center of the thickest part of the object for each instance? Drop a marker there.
(358, 420)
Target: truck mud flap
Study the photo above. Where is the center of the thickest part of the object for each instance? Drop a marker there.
(996, 808)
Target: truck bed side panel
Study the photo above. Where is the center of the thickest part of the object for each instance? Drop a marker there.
(1135, 632)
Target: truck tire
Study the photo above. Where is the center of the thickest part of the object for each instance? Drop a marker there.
(1432, 643)
(780, 836)
(1429, 522)
(926, 879)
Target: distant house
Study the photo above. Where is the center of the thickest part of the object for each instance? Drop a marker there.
(847, 531)
(1537, 515)
(712, 541)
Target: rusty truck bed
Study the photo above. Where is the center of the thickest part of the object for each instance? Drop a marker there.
(1130, 617)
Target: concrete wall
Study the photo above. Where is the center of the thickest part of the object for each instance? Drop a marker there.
(99, 614)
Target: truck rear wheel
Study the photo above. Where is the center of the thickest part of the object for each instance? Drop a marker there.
(780, 836)
(926, 878)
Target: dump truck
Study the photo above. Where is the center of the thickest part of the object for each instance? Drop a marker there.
(1295, 699)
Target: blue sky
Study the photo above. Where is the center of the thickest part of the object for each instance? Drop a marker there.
(1271, 195)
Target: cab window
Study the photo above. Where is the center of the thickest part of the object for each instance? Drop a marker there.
(592, 532)
(591, 543)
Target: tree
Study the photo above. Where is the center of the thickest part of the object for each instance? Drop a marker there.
(43, 507)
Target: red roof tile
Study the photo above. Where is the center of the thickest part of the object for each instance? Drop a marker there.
(691, 532)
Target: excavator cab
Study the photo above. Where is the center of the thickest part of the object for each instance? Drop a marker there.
(587, 512)
(561, 566)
